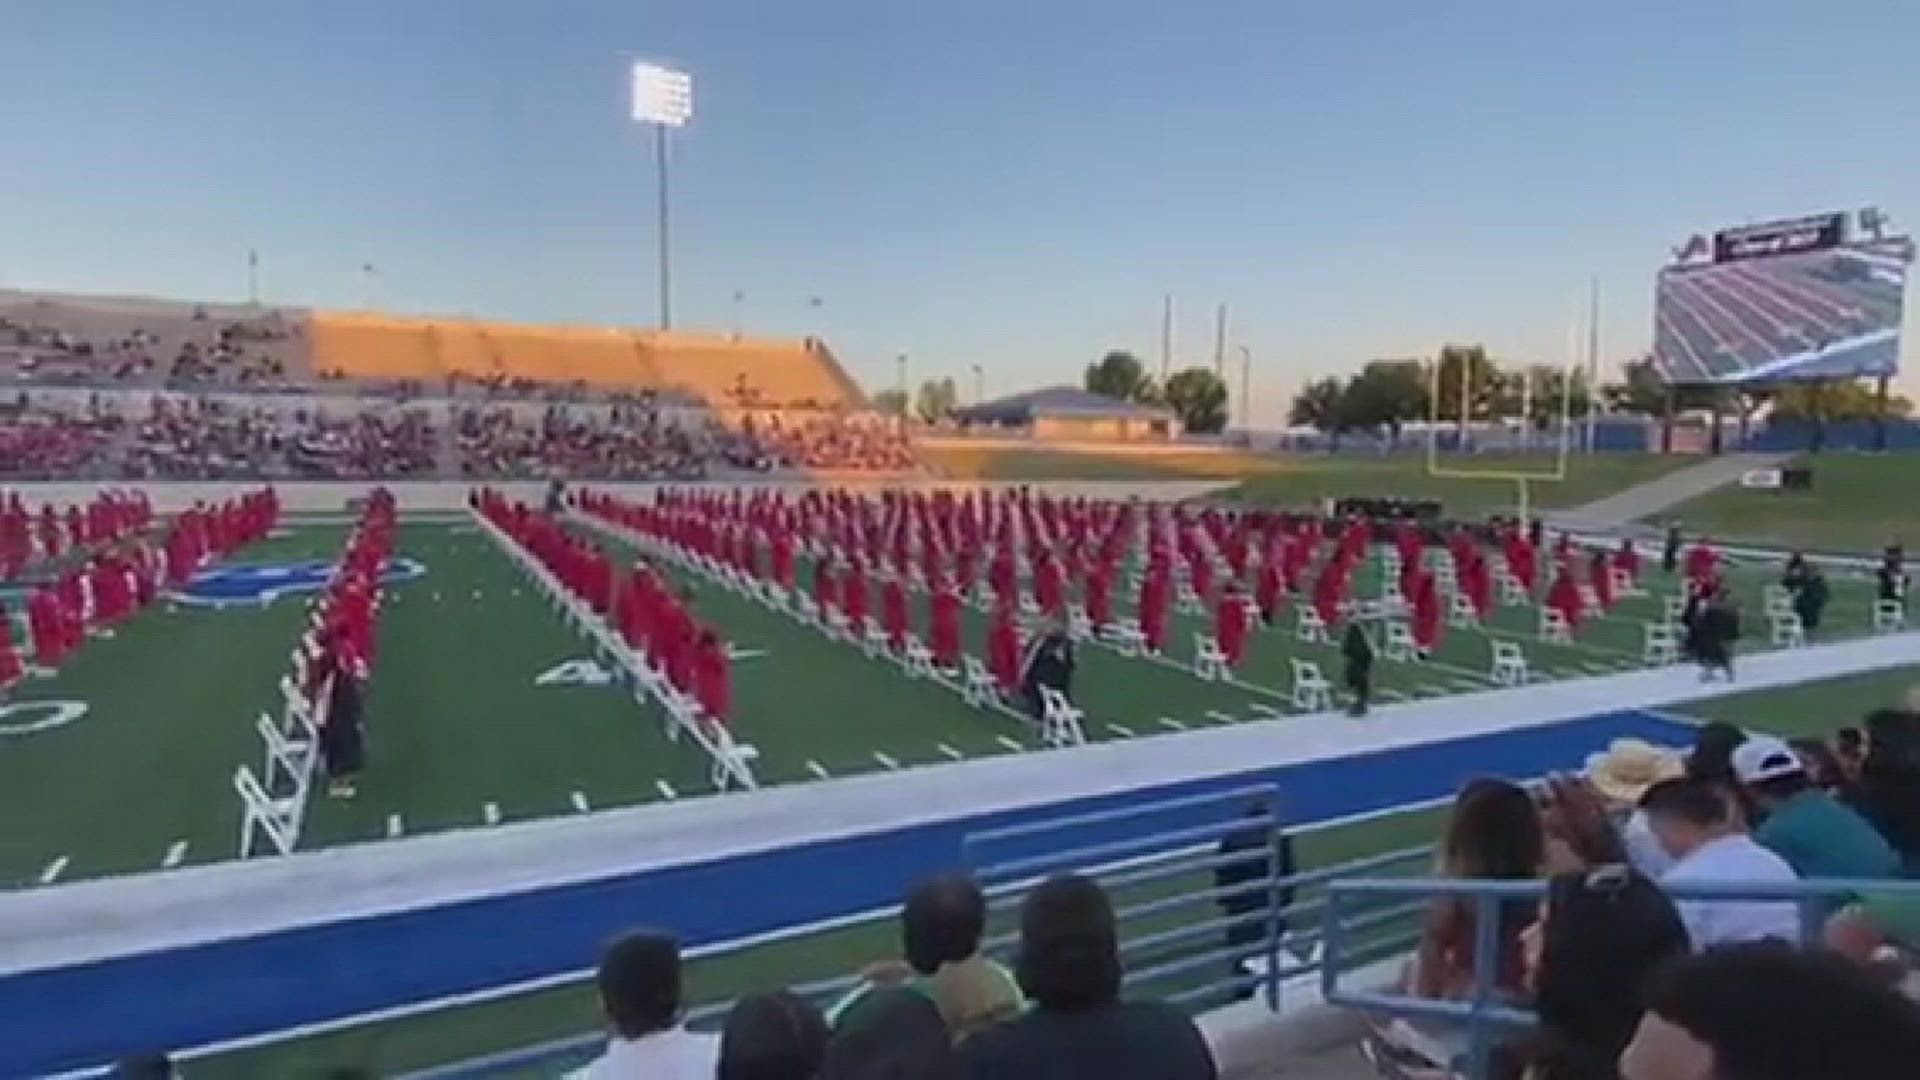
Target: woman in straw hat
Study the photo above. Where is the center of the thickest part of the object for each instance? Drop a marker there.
(1620, 775)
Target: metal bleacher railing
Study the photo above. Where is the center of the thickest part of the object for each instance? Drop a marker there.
(1179, 943)
(1470, 1027)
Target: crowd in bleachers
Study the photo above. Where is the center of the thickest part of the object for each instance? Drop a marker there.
(831, 441)
(200, 351)
(1616, 965)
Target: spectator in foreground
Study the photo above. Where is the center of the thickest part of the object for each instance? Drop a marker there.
(1695, 825)
(1494, 834)
(1079, 1029)
(639, 982)
(773, 1036)
(940, 927)
(1771, 1012)
(1622, 776)
(1601, 936)
(145, 1067)
(897, 1035)
(1807, 827)
(1246, 884)
(1889, 790)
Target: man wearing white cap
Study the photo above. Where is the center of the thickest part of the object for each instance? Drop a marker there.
(1697, 828)
(1817, 835)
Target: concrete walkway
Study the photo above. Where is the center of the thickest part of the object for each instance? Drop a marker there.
(1623, 509)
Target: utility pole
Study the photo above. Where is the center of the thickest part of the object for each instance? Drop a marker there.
(1166, 340)
(1220, 341)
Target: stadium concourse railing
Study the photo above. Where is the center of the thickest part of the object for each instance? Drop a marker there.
(1170, 910)
(1466, 1031)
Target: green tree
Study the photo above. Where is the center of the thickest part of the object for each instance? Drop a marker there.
(1319, 405)
(1542, 399)
(890, 402)
(1120, 374)
(1199, 398)
(1386, 394)
(936, 400)
(1468, 365)
(1834, 399)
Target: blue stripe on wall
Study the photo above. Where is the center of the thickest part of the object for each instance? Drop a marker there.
(90, 1014)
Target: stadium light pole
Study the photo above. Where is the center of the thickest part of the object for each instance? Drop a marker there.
(979, 385)
(663, 98)
(1246, 392)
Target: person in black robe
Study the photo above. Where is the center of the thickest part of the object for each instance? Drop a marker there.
(1795, 574)
(1050, 662)
(1810, 599)
(1670, 551)
(1716, 628)
(1357, 649)
(342, 735)
(1893, 581)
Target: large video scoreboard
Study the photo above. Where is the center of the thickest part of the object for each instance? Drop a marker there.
(1801, 298)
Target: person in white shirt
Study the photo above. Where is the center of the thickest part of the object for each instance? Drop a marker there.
(639, 981)
(1694, 823)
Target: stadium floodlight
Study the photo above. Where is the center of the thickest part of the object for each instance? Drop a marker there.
(662, 97)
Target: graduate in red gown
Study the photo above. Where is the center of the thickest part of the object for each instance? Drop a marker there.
(943, 625)
(1425, 621)
(1564, 596)
(1098, 595)
(1627, 560)
(1520, 562)
(712, 677)
(1328, 592)
(853, 594)
(1266, 590)
(825, 590)
(893, 611)
(1002, 578)
(1230, 623)
(1153, 607)
(1048, 587)
(782, 558)
(1476, 580)
(11, 668)
(1602, 578)
(1003, 649)
(1702, 561)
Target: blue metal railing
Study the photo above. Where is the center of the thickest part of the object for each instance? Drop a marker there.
(1482, 1016)
(1174, 933)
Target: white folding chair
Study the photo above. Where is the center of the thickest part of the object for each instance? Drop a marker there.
(1461, 612)
(1553, 626)
(1660, 644)
(1889, 616)
(1312, 629)
(732, 761)
(1788, 631)
(916, 659)
(979, 688)
(1311, 691)
(1509, 664)
(1209, 662)
(1059, 720)
(1127, 637)
(1511, 592)
(874, 637)
(1399, 644)
(1079, 625)
(1623, 583)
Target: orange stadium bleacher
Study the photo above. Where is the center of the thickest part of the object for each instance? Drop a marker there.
(720, 370)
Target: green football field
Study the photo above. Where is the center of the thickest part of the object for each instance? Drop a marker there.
(463, 734)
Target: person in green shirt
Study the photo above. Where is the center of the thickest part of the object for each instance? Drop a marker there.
(1814, 832)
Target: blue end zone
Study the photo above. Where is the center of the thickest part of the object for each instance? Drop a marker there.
(88, 1015)
(254, 584)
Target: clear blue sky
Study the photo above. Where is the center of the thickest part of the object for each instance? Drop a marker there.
(1010, 184)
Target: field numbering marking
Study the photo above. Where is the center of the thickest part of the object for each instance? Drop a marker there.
(492, 813)
(579, 800)
(176, 854)
(1121, 730)
(394, 827)
(1219, 717)
(54, 869)
(818, 770)
(665, 789)
(1009, 743)
(1171, 724)
(885, 759)
(951, 752)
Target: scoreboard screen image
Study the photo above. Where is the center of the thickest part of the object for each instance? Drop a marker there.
(1782, 302)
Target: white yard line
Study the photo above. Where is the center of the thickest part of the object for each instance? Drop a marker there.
(54, 869)
(886, 759)
(580, 803)
(818, 770)
(395, 827)
(491, 812)
(1171, 724)
(1429, 688)
(1121, 730)
(665, 789)
(1220, 717)
(1009, 743)
(951, 752)
(1268, 711)
(176, 854)
(1390, 694)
